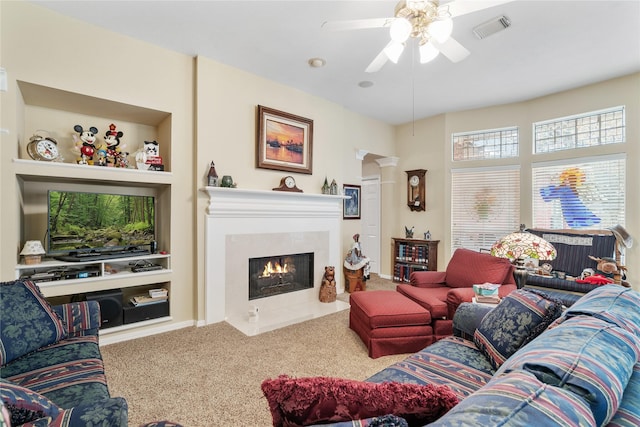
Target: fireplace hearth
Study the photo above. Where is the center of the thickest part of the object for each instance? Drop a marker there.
(281, 274)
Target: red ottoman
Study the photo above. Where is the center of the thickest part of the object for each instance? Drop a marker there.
(389, 323)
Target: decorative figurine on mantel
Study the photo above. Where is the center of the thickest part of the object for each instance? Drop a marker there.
(212, 176)
(427, 235)
(325, 187)
(333, 189)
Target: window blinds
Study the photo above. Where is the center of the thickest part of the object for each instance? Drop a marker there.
(485, 205)
(583, 193)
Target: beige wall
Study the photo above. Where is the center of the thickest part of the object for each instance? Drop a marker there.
(429, 148)
(226, 133)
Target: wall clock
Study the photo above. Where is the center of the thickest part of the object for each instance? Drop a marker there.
(41, 148)
(288, 183)
(416, 197)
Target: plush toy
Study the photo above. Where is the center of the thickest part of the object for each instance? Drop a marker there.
(606, 266)
(85, 144)
(112, 140)
(328, 288)
(587, 272)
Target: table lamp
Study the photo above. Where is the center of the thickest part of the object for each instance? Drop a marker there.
(521, 245)
(32, 252)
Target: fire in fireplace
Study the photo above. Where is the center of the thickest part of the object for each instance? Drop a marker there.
(280, 274)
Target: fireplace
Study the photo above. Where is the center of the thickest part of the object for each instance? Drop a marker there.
(276, 275)
(244, 224)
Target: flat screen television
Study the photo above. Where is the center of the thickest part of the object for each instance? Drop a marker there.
(79, 222)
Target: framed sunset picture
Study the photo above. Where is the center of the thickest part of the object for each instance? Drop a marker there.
(285, 141)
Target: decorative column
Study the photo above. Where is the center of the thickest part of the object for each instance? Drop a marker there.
(389, 209)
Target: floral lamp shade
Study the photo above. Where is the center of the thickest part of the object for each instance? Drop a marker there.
(521, 245)
(32, 252)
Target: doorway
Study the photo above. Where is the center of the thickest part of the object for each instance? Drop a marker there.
(370, 217)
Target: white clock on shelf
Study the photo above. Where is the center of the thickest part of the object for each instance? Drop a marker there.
(43, 148)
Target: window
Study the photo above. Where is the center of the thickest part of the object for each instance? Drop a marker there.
(584, 130)
(484, 145)
(485, 205)
(584, 193)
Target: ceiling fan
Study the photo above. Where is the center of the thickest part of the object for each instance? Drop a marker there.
(427, 21)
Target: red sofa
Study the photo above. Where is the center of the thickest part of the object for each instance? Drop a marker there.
(441, 292)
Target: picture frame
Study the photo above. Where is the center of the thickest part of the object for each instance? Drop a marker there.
(284, 141)
(351, 206)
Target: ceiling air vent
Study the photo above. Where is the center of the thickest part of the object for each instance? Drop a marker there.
(491, 27)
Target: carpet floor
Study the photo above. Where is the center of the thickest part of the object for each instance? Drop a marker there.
(210, 376)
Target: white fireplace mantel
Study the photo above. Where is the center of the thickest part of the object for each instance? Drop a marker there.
(240, 224)
(260, 203)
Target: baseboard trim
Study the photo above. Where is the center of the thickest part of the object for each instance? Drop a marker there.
(143, 332)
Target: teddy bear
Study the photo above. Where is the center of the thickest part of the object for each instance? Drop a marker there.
(328, 288)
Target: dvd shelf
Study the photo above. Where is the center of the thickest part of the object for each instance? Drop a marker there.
(411, 255)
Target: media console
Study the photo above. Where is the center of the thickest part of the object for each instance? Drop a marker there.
(56, 278)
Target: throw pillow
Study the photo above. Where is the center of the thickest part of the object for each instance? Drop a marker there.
(520, 317)
(28, 321)
(307, 401)
(25, 405)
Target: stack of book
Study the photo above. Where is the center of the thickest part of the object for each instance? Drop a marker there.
(154, 296)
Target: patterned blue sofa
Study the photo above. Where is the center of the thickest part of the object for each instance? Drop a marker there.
(51, 369)
(515, 365)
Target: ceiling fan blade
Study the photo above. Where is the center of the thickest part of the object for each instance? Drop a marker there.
(463, 7)
(377, 63)
(452, 49)
(356, 24)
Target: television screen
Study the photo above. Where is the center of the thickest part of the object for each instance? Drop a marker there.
(96, 221)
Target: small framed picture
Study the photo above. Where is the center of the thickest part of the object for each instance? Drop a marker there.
(351, 206)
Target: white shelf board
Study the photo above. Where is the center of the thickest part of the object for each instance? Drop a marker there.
(43, 171)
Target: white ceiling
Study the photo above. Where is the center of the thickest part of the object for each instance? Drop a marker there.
(550, 46)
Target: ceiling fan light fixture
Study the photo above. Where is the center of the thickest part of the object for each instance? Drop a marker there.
(400, 30)
(428, 52)
(393, 50)
(441, 29)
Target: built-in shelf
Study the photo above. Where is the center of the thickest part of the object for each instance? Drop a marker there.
(55, 111)
(34, 170)
(110, 270)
